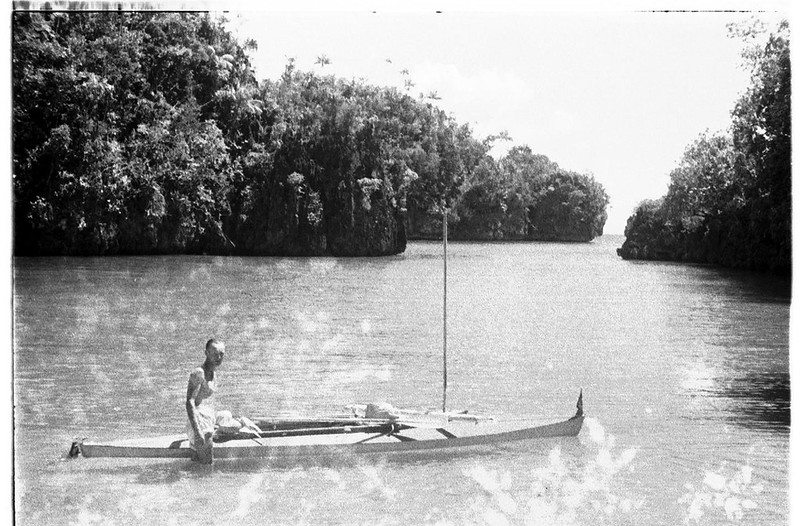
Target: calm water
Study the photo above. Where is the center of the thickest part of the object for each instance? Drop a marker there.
(685, 372)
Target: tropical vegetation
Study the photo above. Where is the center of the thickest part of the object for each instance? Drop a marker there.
(729, 199)
(146, 133)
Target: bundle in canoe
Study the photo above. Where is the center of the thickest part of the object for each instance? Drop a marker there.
(341, 437)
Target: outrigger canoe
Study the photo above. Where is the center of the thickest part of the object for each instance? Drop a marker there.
(337, 438)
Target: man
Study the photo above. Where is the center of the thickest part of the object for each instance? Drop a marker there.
(199, 406)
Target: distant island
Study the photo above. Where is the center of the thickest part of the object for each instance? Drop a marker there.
(148, 133)
(729, 200)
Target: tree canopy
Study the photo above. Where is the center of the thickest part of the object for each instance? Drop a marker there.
(149, 133)
(527, 196)
(729, 199)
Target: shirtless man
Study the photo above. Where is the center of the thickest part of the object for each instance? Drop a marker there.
(199, 407)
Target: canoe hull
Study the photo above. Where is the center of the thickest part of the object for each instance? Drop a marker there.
(334, 446)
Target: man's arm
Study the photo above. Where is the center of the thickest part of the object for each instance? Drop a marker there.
(192, 390)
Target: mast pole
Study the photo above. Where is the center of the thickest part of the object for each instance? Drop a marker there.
(444, 312)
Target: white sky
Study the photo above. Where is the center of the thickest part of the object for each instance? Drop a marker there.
(619, 94)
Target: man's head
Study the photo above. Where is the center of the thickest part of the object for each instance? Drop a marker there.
(215, 351)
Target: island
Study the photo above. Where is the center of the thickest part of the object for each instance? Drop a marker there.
(148, 133)
(729, 200)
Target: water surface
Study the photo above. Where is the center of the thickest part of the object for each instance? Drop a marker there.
(685, 372)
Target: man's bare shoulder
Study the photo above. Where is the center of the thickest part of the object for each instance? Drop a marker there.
(197, 375)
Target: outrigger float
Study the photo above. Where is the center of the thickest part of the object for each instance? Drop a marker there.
(368, 430)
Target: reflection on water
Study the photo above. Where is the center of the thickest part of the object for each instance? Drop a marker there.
(763, 399)
(684, 371)
(743, 346)
(755, 399)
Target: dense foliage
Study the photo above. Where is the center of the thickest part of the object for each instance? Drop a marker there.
(118, 145)
(148, 133)
(527, 196)
(729, 200)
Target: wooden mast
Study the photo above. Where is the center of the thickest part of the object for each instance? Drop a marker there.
(444, 312)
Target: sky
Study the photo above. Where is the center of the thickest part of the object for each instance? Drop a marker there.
(618, 94)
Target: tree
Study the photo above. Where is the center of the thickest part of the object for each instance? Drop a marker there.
(729, 200)
(762, 133)
(148, 133)
(706, 182)
(119, 125)
(527, 196)
(568, 207)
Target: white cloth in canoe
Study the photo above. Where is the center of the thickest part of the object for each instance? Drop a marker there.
(210, 420)
(381, 410)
